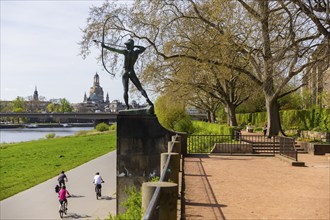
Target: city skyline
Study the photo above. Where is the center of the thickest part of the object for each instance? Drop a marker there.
(39, 48)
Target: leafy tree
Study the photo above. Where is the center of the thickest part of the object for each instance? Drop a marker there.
(272, 39)
(64, 106)
(256, 102)
(18, 105)
(291, 101)
(51, 107)
(171, 113)
(195, 41)
(206, 103)
(278, 47)
(5, 106)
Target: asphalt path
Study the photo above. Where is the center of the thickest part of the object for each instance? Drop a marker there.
(41, 201)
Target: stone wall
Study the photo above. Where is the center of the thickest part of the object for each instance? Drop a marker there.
(140, 141)
(324, 136)
(315, 148)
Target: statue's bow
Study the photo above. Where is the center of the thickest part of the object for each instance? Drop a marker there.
(102, 52)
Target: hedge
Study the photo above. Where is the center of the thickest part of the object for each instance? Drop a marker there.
(312, 119)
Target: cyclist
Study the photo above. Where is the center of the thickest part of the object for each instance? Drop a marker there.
(61, 179)
(62, 196)
(98, 181)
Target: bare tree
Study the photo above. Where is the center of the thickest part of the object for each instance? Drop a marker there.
(319, 13)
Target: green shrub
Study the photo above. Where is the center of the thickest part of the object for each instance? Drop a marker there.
(133, 205)
(155, 179)
(50, 135)
(184, 125)
(201, 127)
(113, 127)
(291, 119)
(317, 129)
(256, 119)
(102, 127)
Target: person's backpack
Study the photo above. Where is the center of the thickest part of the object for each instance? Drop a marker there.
(57, 188)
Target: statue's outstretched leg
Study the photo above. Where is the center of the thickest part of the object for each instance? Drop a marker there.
(138, 85)
(125, 85)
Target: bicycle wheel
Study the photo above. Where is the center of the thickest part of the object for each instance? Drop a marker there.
(62, 209)
(61, 212)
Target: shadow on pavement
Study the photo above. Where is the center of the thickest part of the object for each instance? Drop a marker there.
(76, 196)
(216, 205)
(107, 197)
(213, 202)
(75, 216)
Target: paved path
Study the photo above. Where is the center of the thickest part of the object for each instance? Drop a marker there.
(41, 202)
(247, 187)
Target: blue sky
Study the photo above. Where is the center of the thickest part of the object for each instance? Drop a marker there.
(39, 47)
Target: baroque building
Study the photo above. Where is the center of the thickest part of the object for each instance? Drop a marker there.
(95, 101)
(96, 94)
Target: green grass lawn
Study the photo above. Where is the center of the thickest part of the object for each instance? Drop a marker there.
(26, 164)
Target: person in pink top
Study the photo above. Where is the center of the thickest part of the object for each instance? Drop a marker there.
(62, 196)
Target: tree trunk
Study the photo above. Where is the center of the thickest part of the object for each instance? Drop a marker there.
(231, 115)
(273, 114)
(208, 115)
(213, 117)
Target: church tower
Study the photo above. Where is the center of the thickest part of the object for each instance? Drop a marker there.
(96, 80)
(35, 95)
(107, 100)
(96, 92)
(85, 98)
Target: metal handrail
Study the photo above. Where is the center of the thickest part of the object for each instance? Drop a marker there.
(287, 148)
(155, 196)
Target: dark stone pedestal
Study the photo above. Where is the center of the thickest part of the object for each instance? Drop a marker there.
(140, 141)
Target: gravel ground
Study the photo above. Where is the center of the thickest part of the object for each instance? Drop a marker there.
(252, 187)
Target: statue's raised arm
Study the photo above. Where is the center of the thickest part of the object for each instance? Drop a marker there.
(113, 49)
(140, 49)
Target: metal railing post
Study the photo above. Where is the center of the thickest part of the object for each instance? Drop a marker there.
(172, 170)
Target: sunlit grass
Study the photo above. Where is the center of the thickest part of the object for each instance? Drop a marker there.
(27, 164)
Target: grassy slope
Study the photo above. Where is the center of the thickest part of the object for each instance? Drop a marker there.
(26, 164)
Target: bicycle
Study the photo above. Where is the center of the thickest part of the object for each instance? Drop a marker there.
(98, 190)
(63, 209)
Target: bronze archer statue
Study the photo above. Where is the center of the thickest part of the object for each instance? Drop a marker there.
(131, 55)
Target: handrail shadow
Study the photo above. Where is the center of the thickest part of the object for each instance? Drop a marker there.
(216, 207)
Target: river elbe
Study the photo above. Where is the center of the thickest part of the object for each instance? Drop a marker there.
(28, 134)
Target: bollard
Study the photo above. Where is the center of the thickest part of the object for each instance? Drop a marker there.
(167, 201)
(172, 174)
(176, 147)
(176, 138)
